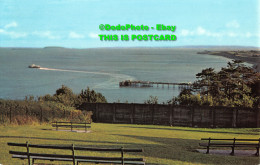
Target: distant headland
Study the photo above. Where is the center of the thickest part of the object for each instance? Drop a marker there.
(250, 56)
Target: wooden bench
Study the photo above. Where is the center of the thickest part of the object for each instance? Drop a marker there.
(233, 143)
(71, 125)
(76, 159)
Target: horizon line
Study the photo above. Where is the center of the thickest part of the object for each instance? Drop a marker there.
(184, 46)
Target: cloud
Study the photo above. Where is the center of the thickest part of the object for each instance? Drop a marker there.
(45, 34)
(12, 24)
(75, 35)
(13, 34)
(233, 24)
(93, 35)
(200, 31)
(232, 34)
(16, 34)
(185, 32)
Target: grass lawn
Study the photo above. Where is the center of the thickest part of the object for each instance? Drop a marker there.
(162, 144)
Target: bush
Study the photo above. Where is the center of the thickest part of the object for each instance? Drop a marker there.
(152, 100)
(32, 112)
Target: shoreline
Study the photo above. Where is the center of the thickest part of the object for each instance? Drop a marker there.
(244, 56)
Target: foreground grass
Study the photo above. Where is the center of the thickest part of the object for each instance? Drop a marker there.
(163, 145)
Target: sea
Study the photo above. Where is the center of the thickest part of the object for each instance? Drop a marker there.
(101, 69)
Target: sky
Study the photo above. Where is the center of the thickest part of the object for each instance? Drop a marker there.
(75, 23)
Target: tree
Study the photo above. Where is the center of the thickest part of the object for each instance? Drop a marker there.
(66, 96)
(152, 100)
(189, 100)
(234, 85)
(185, 92)
(207, 82)
(90, 96)
(64, 91)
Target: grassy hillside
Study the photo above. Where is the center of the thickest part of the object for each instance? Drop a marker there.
(162, 144)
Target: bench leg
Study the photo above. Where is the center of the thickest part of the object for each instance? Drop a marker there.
(207, 150)
(257, 151)
(233, 151)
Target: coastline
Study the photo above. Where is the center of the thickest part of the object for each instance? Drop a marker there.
(245, 56)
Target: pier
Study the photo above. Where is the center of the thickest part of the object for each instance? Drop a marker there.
(129, 83)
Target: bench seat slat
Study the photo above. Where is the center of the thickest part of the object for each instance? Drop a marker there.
(73, 126)
(79, 160)
(114, 162)
(69, 122)
(76, 147)
(231, 139)
(228, 145)
(76, 157)
(41, 158)
(20, 156)
(41, 146)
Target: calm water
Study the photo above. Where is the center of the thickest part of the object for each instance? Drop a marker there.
(100, 69)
